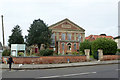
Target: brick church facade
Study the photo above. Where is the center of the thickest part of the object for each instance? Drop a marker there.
(66, 36)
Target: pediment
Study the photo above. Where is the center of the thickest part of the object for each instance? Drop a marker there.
(65, 24)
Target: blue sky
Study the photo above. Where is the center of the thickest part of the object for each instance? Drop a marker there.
(95, 16)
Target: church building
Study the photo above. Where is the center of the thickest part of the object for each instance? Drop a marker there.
(66, 37)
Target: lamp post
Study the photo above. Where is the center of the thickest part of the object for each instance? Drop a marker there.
(3, 31)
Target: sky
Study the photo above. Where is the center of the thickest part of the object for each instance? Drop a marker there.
(95, 16)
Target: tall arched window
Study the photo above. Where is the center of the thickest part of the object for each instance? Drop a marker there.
(53, 40)
(79, 38)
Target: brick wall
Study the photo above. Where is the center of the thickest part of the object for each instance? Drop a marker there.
(47, 60)
(111, 57)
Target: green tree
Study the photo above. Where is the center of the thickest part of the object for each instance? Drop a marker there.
(85, 45)
(16, 36)
(6, 52)
(39, 33)
(108, 46)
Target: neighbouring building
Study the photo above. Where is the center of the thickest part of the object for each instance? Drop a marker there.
(117, 40)
(66, 36)
(94, 37)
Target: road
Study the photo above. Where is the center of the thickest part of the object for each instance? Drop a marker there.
(98, 71)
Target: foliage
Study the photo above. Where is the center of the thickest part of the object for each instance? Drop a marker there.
(81, 53)
(21, 54)
(108, 46)
(118, 50)
(16, 36)
(6, 52)
(85, 45)
(46, 52)
(39, 33)
(75, 53)
(55, 54)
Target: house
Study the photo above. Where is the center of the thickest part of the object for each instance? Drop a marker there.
(94, 37)
(117, 40)
(66, 36)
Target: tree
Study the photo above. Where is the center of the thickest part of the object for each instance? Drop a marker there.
(85, 45)
(16, 36)
(39, 33)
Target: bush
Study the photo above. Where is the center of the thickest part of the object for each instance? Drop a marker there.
(118, 50)
(108, 46)
(85, 45)
(21, 54)
(75, 53)
(46, 52)
(6, 52)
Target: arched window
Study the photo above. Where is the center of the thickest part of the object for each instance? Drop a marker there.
(53, 40)
(69, 46)
(79, 38)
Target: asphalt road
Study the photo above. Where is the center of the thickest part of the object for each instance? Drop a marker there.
(98, 71)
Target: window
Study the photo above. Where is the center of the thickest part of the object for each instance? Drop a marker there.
(53, 40)
(69, 46)
(63, 36)
(75, 46)
(74, 36)
(69, 36)
(79, 38)
(57, 36)
(63, 46)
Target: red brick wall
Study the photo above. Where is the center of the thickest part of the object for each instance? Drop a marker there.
(111, 57)
(47, 60)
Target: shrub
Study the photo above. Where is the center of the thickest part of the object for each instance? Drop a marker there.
(21, 54)
(46, 52)
(6, 52)
(85, 45)
(75, 53)
(118, 50)
(108, 46)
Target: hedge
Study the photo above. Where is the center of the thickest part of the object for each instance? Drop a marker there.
(108, 46)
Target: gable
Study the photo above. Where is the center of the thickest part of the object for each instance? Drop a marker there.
(66, 24)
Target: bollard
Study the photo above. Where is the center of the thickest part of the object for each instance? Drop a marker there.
(87, 53)
(100, 54)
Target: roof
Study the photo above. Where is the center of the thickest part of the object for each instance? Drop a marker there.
(117, 37)
(1, 46)
(66, 19)
(94, 37)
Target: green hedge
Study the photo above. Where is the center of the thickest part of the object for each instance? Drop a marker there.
(85, 45)
(118, 50)
(108, 46)
(6, 52)
(46, 52)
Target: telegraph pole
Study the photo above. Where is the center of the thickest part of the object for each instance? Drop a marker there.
(3, 31)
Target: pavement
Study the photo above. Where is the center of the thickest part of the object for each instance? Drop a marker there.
(49, 66)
